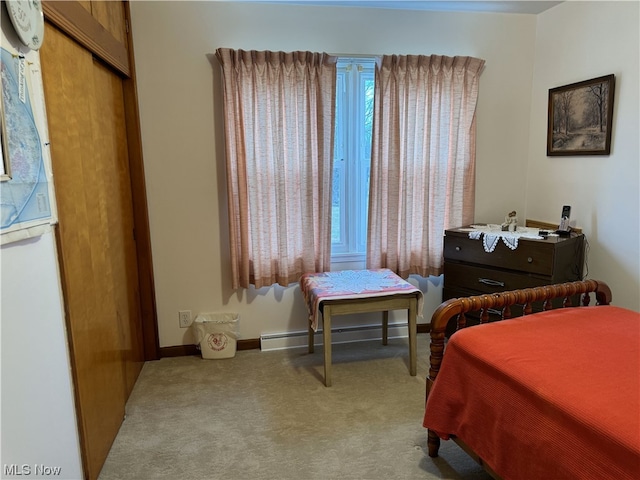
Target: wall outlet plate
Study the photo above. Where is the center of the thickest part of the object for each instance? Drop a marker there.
(184, 317)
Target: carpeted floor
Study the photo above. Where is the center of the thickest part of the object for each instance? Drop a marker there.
(267, 415)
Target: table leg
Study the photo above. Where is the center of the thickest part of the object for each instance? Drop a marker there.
(326, 336)
(385, 327)
(311, 339)
(413, 334)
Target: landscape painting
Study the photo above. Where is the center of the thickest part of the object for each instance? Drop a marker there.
(580, 117)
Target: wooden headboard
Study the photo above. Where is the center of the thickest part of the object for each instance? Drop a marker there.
(502, 302)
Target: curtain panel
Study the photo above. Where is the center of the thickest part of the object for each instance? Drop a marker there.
(279, 129)
(423, 159)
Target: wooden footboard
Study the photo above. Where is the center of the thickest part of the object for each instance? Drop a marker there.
(501, 302)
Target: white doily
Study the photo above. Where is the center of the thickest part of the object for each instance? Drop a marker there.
(491, 236)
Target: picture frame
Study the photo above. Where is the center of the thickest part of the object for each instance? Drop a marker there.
(580, 117)
(5, 164)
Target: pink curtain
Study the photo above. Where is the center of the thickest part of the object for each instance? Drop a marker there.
(279, 124)
(422, 160)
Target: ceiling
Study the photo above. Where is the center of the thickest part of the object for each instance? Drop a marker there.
(517, 6)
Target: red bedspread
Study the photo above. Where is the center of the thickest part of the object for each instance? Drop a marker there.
(552, 396)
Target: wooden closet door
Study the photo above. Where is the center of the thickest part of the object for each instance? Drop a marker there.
(85, 110)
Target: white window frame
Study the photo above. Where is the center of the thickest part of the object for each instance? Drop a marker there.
(352, 159)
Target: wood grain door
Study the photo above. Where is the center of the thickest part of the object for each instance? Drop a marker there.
(86, 117)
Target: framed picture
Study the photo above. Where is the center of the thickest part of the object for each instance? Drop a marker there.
(580, 117)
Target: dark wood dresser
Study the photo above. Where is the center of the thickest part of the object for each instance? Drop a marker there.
(470, 270)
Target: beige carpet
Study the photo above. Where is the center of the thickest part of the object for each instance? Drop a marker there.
(267, 415)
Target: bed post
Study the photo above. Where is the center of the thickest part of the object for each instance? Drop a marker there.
(439, 322)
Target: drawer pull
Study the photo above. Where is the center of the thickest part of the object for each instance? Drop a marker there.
(493, 283)
(458, 249)
(529, 259)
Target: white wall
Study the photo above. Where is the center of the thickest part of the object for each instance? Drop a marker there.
(180, 104)
(577, 41)
(38, 416)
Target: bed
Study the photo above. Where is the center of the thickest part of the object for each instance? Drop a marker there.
(549, 395)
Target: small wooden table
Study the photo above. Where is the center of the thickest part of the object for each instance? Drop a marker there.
(359, 291)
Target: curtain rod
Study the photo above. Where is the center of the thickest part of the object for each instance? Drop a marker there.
(357, 55)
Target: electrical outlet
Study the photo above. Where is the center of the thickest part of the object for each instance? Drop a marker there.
(184, 316)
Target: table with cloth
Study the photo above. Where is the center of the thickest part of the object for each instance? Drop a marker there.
(359, 291)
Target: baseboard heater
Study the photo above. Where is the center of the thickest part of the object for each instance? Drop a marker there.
(360, 333)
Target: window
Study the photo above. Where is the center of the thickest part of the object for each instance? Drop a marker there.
(352, 158)
(281, 131)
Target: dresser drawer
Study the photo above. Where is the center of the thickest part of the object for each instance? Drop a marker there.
(477, 280)
(531, 256)
(516, 310)
(473, 317)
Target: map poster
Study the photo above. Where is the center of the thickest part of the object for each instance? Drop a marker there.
(27, 202)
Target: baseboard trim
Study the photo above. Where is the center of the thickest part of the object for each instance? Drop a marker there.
(244, 344)
(186, 350)
(361, 333)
